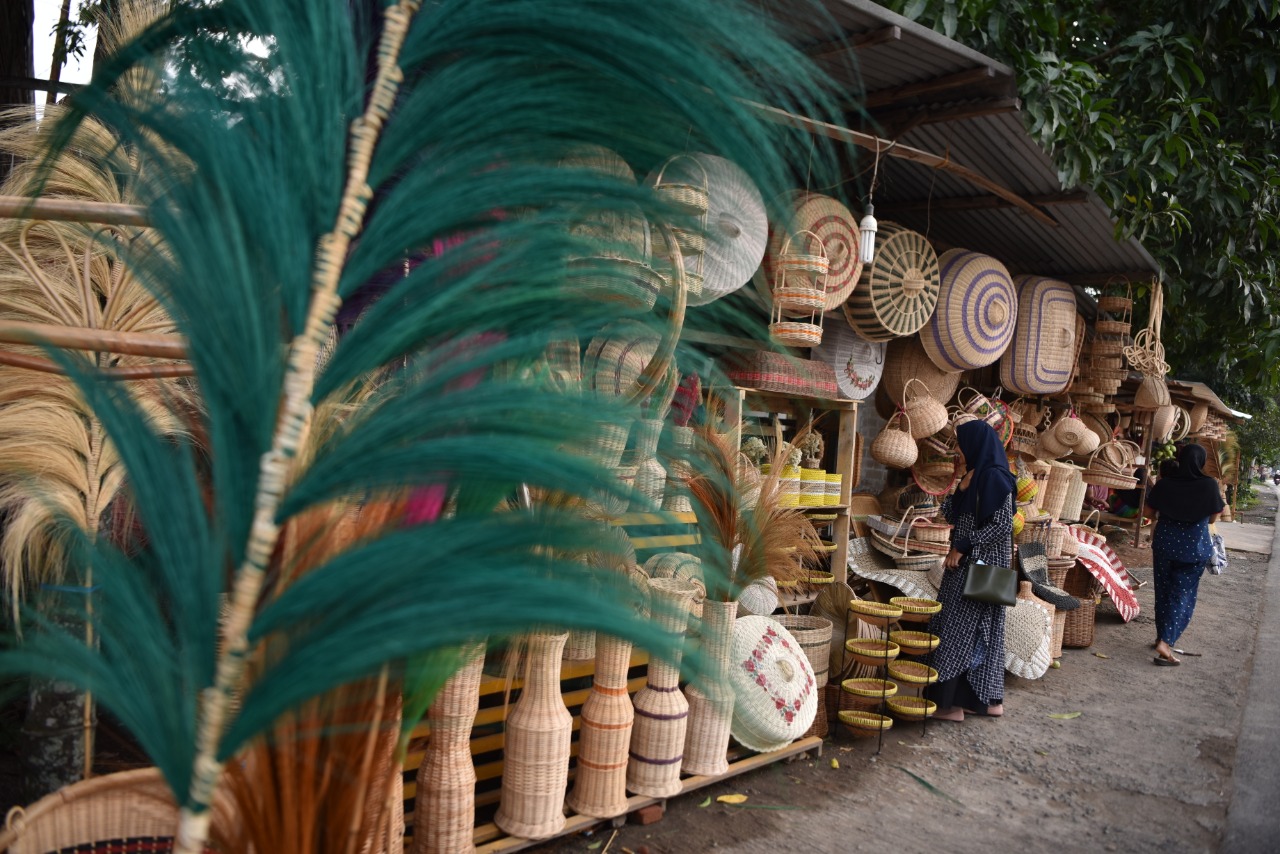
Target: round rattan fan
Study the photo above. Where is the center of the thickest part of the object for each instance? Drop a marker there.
(977, 306)
(900, 286)
(819, 219)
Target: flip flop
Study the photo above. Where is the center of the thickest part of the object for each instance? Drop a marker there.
(1165, 662)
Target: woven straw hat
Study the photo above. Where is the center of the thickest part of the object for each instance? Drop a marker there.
(830, 222)
(1028, 639)
(977, 306)
(773, 683)
(858, 363)
(867, 562)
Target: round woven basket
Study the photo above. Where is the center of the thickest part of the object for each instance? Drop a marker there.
(977, 305)
(872, 651)
(912, 673)
(925, 414)
(905, 359)
(861, 724)
(899, 288)
(893, 446)
(916, 609)
(915, 643)
(775, 690)
(814, 636)
(792, 333)
(869, 688)
(821, 227)
(874, 613)
(912, 708)
(1041, 357)
(1078, 628)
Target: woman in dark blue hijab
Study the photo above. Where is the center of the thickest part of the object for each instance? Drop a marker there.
(970, 658)
(1187, 501)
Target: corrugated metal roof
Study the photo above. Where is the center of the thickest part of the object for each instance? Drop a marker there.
(997, 146)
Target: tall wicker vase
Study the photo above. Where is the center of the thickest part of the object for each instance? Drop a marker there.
(706, 744)
(600, 786)
(651, 477)
(444, 807)
(677, 497)
(662, 713)
(535, 767)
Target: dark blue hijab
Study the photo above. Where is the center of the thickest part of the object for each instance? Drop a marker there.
(992, 482)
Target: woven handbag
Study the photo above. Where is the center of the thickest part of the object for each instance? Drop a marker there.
(926, 415)
(894, 447)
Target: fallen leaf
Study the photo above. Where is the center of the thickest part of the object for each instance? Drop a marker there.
(732, 799)
(835, 763)
(1066, 716)
(594, 845)
(1043, 752)
(705, 803)
(1101, 655)
(932, 788)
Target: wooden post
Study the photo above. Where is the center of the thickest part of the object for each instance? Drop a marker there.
(1142, 503)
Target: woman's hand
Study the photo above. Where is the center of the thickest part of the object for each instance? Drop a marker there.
(953, 559)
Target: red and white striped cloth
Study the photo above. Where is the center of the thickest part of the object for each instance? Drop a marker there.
(1105, 565)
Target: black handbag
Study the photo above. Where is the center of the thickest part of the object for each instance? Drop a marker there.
(995, 585)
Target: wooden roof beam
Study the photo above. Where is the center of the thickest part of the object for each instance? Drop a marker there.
(859, 41)
(974, 203)
(904, 152)
(960, 79)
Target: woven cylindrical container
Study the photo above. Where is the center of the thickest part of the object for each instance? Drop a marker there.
(813, 487)
(776, 694)
(1056, 488)
(611, 440)
(651, 477)
(535, 767)
(1077, 631)
(600, 785)
(1040, 472)
(789, 486)
(706, 742)
(661, 711)
(814, 636)
(977, 305)
(905, 359)
(1041, 357)
(834, 482)
(1077, 489)
(444, 807)
(676, 499)
(821, 724)
(898, 290)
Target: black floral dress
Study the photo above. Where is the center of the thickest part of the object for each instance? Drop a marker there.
(970, 657)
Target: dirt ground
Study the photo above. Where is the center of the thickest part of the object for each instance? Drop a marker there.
(1145, 767)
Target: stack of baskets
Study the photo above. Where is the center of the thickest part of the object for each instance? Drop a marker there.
(1111, 465)
(1111, 334)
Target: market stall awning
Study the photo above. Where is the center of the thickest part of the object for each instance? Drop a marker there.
(922, 91)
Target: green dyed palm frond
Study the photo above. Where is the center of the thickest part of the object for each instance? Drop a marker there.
(473, 199)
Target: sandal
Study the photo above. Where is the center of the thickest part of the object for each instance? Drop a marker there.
(1159, 661)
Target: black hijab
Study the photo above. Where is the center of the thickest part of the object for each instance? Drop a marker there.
(992, 482)
(1190, 495)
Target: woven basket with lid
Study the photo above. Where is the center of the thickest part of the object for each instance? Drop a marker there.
(1041, 357)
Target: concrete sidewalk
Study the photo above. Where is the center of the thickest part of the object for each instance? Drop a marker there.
(1252, 819)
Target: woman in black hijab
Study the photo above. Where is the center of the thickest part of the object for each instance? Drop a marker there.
(970, 658)
(1187, 501)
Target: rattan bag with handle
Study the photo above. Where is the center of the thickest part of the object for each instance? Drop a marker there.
(895, 447)
(926, 415)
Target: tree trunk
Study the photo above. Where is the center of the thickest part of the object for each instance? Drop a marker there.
(59, 52)
(52, 737)
(17, 17)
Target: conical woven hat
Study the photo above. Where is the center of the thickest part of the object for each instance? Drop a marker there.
(830, 222)
(973, 322)
(858, 363)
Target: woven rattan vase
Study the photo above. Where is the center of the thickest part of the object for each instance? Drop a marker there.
(536, 749)
(706, 743)
(662, 713)
(444, 807)
(651, 477)
(676, 499)
(600, 786)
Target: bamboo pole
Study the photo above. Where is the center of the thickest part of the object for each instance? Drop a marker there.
(119, 372)
(98, 340)
(72, 210)
(290, 434)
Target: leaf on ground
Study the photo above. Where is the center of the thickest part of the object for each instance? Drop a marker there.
(1043, 752)
(1101, 655)
(705, 803)
(1066, 716)
(929, 786)
(769, 807)
(835, 763)
(732, 799)
(594, 845)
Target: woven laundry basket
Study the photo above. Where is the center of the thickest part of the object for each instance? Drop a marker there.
(814, 636)
(1078, 629)
(974, 319)
(898, 290)
(1041, 358)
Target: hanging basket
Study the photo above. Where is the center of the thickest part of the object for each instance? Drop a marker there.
(926, 415)
(895, 447)
(1152, 393)
(829, 231)
(898, 290)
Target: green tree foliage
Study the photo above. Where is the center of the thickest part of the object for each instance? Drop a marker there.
(1168, 111)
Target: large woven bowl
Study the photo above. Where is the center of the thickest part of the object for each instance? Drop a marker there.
(974, 320)
(874, 613)
(915, 643)
(916, 609)
(898, 290)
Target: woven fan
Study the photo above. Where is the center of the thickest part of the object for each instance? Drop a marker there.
(901, 286)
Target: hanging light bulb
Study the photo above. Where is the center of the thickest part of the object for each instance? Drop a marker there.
(867, 235)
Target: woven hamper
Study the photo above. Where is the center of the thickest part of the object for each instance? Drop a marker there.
(814, 636)
(821, 724)
(1077, 632)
